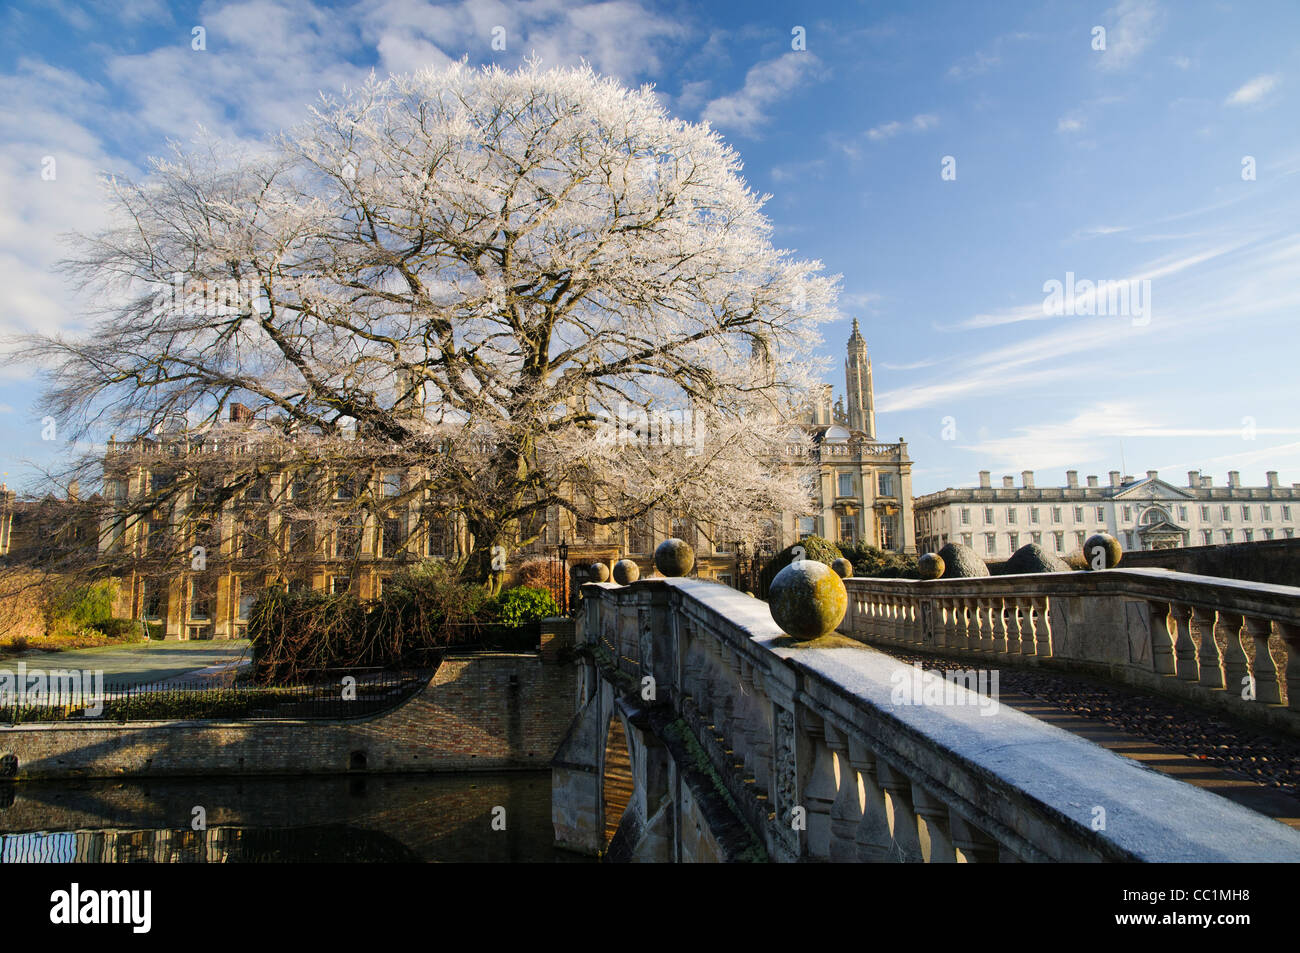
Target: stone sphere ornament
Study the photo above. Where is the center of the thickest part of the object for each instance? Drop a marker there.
(674, 557)
(1102, 551)
(807, 599)
(626, 572)
(598, 572)
(843, 568)
(930, 566)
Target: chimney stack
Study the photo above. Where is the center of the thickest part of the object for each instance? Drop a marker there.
(1128, 478)
(1207, 482)
(1234, 478)
(1027, 479)
(1194, 478)
(1114, 478)
(986, 481)
(1092, 480)
(1153, 474)
(1272, 478)
(1072, 479)
(1008, 483)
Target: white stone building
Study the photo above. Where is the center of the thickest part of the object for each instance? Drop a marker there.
(1141, 513)
(864, 486)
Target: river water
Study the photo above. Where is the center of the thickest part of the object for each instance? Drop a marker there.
(493, 817)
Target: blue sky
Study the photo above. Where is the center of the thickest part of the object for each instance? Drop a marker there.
(1112, 164)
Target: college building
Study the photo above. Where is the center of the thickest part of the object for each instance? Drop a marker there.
(1146, 513)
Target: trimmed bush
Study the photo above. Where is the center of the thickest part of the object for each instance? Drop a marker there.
(815, 548)
(880, 563)
(961, 562)
(524, 605)
(1032, 558)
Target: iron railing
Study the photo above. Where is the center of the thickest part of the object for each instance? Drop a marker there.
(333, 695)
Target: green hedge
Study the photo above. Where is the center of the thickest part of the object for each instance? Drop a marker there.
(814, 547)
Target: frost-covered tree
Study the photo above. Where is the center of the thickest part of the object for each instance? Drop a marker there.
(503, 278)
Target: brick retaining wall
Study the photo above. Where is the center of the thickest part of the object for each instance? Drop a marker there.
(483, 711)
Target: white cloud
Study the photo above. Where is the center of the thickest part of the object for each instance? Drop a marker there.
(744, 111)
(918, 123)
(1130, 26)
(1091, 434)
(1255, 90)
(1069, 124)
(982, 61)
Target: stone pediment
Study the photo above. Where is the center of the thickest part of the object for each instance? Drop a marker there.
(1153, 489)
(1157, 529)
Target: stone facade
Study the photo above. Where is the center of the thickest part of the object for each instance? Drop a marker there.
(1143, 514)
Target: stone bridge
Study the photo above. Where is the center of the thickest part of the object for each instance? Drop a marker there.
(705, 733)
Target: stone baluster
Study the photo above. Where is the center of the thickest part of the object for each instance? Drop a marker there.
(903, 822)
(873, 840)
(1025, 625)
(999, 610)
(963, 624)
(937, 842)
(976, 847)
(1186, 665)
(1211, 663)
(1162, 645)
(846, 812)
(1236, 668)
(1268, 689)
(819, 790)
(1043, 627)
(980, 637)
(1290, 633)
(951, 638)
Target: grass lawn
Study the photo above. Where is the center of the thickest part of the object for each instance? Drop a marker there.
(136, 662)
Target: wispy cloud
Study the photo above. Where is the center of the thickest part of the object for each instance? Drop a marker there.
(766, 83)
(1131, 25)
(1092, 434)
(918, 123)
(982, 61)
(1162, 268)
(1255, 90)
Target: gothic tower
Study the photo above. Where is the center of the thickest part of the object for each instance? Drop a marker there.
(857, 378)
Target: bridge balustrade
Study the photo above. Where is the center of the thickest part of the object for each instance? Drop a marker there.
(831, 751)
(1220, 641)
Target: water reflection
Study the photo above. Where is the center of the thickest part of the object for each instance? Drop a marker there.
(409, 818)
